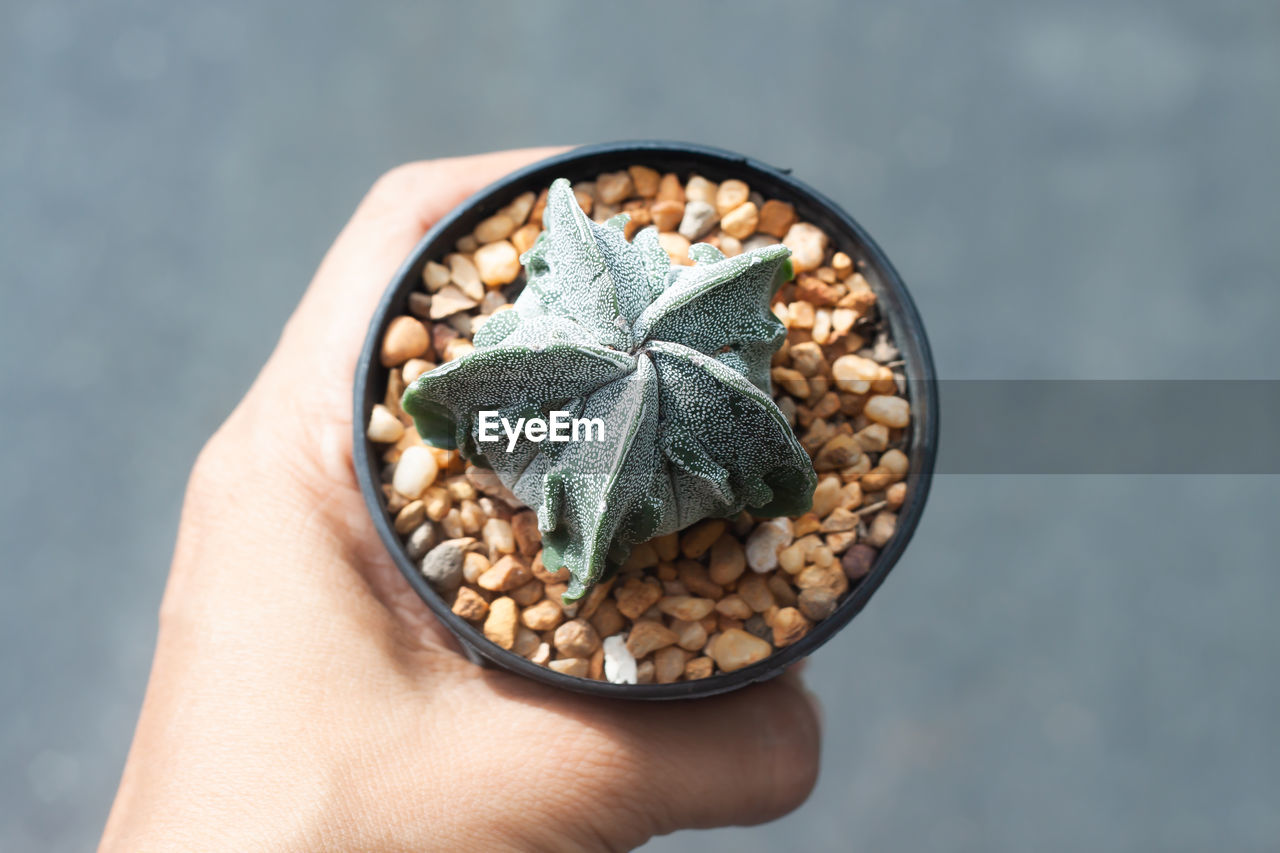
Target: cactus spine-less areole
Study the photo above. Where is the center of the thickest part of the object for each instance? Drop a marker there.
(673, 359)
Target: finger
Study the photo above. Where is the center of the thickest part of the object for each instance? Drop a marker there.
(333, 317)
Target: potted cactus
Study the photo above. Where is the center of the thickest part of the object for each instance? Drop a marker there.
(670, 451)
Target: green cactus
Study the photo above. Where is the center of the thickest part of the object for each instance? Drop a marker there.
(674, 360)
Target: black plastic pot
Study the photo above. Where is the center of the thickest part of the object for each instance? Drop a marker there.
(586, 163)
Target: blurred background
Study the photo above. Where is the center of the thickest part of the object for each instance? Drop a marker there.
(1080, 189)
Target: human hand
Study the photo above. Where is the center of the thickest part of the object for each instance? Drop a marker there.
(303, 697)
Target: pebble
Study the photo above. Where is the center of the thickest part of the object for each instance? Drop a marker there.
(698, 539)
(614, 187)
(619, 663)
(410, 516)
(415, 470)
(789, 625)
(776, 218)
(435, 276)
(442, 567)
(384, 427)
(686, 607)
(449, 301)
(808, 244)
(576, 638)
(500, 626)
(498, 537)
(527, 642)
(598, 595)
(730, 195)
(734, 607)
(542, 655)
(698, 668)
(496, 227)
(670, 188)
(689, 635)
(524, 527)
(645, 180)
(505, 575)
(735, 649)
(667, 214)
(607, 619)
(697, 581)
(635, 596)
(668, 664)
(420, 305)
(754, 590)
(546, 615)
(816, 604)
(525, 237)
(826, 496)
(699, 188)
(728, 560)
(577, 667)
(647, 636)
(831, 578)
(783, 593)
(420, 540)
(470, 605)
(406, 338)
(518, 210)
(839, 452)
(463, 273)
(698, 218)
(893, 412)
(676, 247)
(498, 263)
(758, 626)
(740, 222)
(883, 526)
(766, 541)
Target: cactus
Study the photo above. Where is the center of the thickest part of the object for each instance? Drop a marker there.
(674, 360)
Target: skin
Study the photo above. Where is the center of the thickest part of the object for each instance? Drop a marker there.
(303, 698)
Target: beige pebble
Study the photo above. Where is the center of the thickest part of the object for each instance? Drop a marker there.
(831, 578)
(518, 210)
(730, 195)
(734, 607)
(415, 367)
(449, 301)
(895, 495)
(730, 246)
(896, 462)
(686, 607)
(789, 625)
(635, 596)
(409, 517)
(698, 218)
(500, 626)
(754, 590)
(668, 546)
(740, 223)
(893, 412)
(766, 541)
(783, 593)
(466, 243)
(644, 180)
(546, 615)
(497, 263)
(697, 540)
(872, 438)
(676, 247)
(807, 243)
(826, 496)
(607, 619)
(667, 214)
(498, 537)
(700, 667)
(776, 218)
(506, 574)
(816, 603)
(524, 526)
(576, 638)
(577, 667)
(435, 276)
(598, 595)
(415, 471)
(696, 580)
(542, 655)
(668, 664)
(689, 635)
(470, 605)
(698, 188)
(405, 338)
(525, 236)
(474, 564)
(735, 649)
(839, 452)
(644, 672)
(496, 227)
(883, 526)
(463, 273)
(614, 187)
(384, 427)
(728, 560)
(670, 188)
(647, 636)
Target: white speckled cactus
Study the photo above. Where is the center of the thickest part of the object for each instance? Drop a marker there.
(674, 359)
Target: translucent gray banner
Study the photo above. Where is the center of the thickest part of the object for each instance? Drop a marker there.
(1109, 426)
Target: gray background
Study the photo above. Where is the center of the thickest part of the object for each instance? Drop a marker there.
(1072, 190)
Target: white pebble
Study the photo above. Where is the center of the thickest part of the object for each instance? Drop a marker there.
(766, 541)
(619, 665)
(383, 426)
(699, 216)
(415, 471)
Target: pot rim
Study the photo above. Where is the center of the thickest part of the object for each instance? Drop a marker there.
(908, 335)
